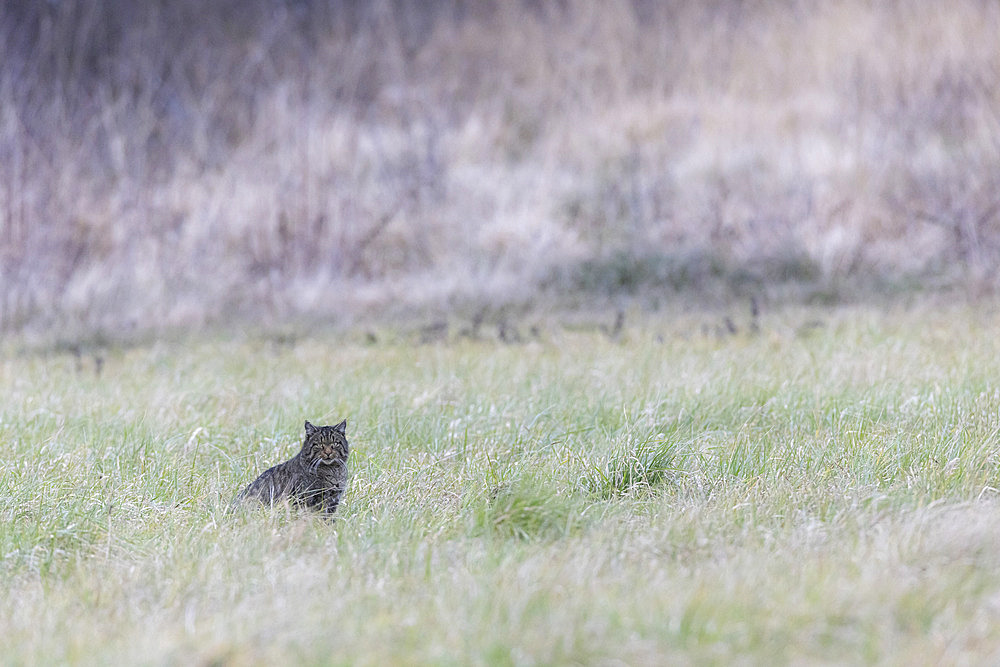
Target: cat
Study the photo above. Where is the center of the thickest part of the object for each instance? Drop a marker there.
(315, 477)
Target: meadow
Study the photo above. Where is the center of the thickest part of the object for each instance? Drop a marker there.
(514, 244)
(819, 487)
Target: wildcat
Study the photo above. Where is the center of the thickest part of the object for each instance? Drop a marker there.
(315, 477)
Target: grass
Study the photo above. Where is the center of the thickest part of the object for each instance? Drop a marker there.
(808, 493)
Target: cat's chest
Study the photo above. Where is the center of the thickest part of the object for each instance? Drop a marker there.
(325, 475)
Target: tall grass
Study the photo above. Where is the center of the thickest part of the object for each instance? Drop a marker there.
(801, 494)
(170, 164)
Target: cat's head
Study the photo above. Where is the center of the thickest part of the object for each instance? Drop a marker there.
(326, 445)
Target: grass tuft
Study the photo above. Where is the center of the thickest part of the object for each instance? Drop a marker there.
(634, 464)
(527, 509)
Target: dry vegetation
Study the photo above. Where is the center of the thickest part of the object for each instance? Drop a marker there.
(167, 164)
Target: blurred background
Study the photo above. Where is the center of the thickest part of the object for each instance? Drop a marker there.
(175, 163)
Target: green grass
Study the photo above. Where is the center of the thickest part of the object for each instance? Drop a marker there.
(809, 493)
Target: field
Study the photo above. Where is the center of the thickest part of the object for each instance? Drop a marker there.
(820, 487)
(514, 243)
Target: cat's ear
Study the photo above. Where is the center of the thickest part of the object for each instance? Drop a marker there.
(310, 429)
(341, 428)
